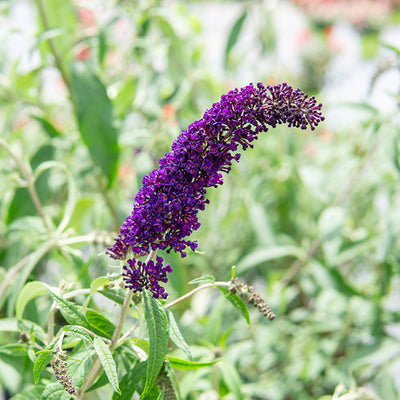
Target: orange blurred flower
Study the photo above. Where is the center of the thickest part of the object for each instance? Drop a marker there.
(82, 52)
(310, 149)
(168, 111)
(86, 17)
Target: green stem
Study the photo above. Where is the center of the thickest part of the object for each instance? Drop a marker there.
(12, 272)
(192, 292)
(121, 320)
(110, 204)
(28, 177)
(57, 57)
(90, 378)
(90, 238)
(125, 308)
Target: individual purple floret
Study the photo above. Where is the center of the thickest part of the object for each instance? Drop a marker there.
(165, 208)
(139, 275)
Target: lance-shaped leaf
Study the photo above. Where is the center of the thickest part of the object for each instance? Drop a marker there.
(100, 324)
(43, 360)
(78, 332)
(28, 292)
(95, 119)
(157, 327)
(234, 34)
(180, 363)
(69, 311)
(130, 381)
(107, 362)
(232, 379)
(237, 302)
(176, 336)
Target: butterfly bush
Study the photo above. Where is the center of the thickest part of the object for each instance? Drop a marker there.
(165, 208)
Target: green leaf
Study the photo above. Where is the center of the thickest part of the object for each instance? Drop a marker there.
(108, 362)
(14, 325)
(202, 279)
(157, 328)
(80, 365)
(176, 336)
(100, 382)
(49, 34)
(69, 311)
(77, 331)
(186, 365)
(234, 34)
(237, 302)
(17, 356)
(391, 47)
(98, 282)
(41, 363)
(260, 256)
(47, 126)
(72, 190)
(32, 393)
(54, 391)
(231, 379)
(129, 382)
(44, 358)
(213, 325)
(117, 295)
(387, 389)
(95, 119)
(99, 324)
(102, 45)
(126, 95)
(14, 350)
(354, 251)
(34, 258)
(330, 223)
(331, 277)
(61, 14)
(28, 292)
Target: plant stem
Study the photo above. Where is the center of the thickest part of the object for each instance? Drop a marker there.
(122, 338)
(28, 177)
(90, 238)
(90, 378)
(192, 292)
(110, 204)
(121, 319)
(124, 310)
(57, 58)
(10, 276)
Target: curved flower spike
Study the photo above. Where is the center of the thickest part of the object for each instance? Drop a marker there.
(165, 208)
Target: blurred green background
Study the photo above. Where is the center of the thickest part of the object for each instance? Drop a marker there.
(92, 94)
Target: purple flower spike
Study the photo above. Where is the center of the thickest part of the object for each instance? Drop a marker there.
(165, 209)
